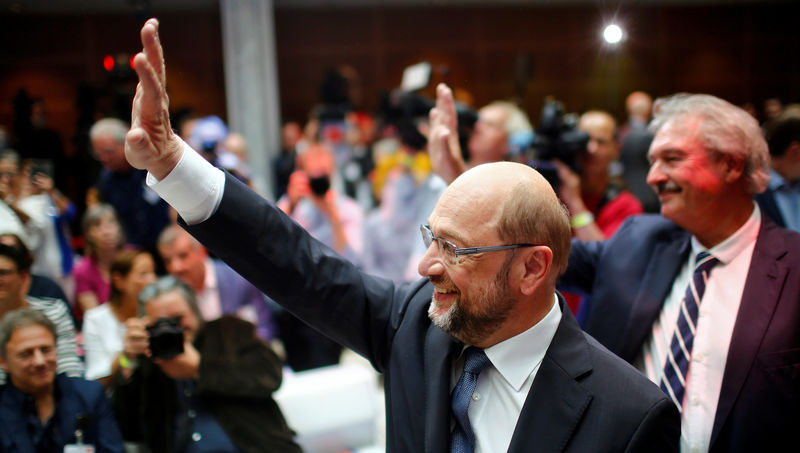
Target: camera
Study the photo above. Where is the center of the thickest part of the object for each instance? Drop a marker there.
(166, 338)
(557, 137)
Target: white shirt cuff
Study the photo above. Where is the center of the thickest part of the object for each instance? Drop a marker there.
(194, 187)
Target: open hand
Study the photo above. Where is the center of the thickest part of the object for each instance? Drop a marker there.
(151, 143)
(443, 146)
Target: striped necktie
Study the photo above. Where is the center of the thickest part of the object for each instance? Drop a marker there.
(676, 368)
(462, 439)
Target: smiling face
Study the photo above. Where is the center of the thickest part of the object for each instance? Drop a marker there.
(30, 359)
(472, 299)
(689, 180)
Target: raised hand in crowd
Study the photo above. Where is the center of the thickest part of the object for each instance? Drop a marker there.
(443, 146)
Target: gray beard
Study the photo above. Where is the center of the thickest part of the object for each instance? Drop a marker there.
(490, 309)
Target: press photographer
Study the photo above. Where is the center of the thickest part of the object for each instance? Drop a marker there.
(597, 202)
(182, 382)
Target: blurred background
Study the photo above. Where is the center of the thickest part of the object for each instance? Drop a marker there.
(73, 58)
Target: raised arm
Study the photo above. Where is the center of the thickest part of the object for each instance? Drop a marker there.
(443, 146)
(151, 144)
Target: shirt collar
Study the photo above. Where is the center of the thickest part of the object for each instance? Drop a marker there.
(776, 181)
(728, 249)
(210, 280)
(517, 357)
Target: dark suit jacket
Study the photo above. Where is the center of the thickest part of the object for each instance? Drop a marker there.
(73, 396)
(630, 275)
(769, 207)
(584, 399)
(238, 374)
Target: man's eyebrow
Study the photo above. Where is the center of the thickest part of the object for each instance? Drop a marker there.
(665, 151)
(451, 236)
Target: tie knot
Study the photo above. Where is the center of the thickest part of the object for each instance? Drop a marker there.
(475, 360)
(705, 262)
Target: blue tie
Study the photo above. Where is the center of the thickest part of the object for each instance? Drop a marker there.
(475, 360)
(673, 382)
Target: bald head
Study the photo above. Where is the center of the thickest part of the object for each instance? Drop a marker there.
(639, 105)
(515, 200)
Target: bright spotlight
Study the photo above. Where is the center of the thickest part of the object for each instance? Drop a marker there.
(612, 34)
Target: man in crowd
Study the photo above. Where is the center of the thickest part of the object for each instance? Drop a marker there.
(635, 140)
(219, 289)
(704, 298)
(597, 204)
(488, 311)
(499, 124)
(142, 213)
(781, 201)
(39, 410)
(336, 220)
(210, 389)
(329, 216)
(15, 279)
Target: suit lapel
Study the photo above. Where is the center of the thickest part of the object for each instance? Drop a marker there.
(761, 293)
(68, 407)
(667, 258)
(12, 423)
(556, 401)
(440, 348)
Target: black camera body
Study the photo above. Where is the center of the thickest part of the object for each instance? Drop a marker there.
(166, 338)
(557, 137)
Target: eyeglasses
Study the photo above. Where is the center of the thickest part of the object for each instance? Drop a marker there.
(452, 252)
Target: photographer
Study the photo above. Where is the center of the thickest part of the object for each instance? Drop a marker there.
(183, 385)
(329, 216)
(597, 204)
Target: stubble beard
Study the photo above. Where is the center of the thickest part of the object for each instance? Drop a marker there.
(472, 320)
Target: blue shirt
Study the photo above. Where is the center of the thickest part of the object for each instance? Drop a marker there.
(787, 197)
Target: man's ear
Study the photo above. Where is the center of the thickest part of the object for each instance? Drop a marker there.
(733, 166)
(26, 284)
(537, 262)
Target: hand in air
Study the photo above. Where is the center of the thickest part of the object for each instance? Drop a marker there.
(151, 144)
(443, 146)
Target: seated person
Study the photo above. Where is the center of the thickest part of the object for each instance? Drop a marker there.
(41, 286)
(42, 411)
(15, 273)
(104, 325)
(218, 289)
(104, 238)
(210, 391)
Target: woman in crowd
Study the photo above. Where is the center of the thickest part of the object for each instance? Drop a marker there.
(104, 325)
(104, 238)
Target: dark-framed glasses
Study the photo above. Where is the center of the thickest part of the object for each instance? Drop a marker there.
(452, 252)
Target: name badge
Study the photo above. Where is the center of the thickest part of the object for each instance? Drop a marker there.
(82, 448)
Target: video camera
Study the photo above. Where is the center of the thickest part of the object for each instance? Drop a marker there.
(557, 137)
(404, 106)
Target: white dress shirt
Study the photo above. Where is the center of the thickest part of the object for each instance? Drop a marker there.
(503, 387)
(715, 322)
(208, 298)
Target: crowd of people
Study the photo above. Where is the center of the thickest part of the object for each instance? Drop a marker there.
(551, 316)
